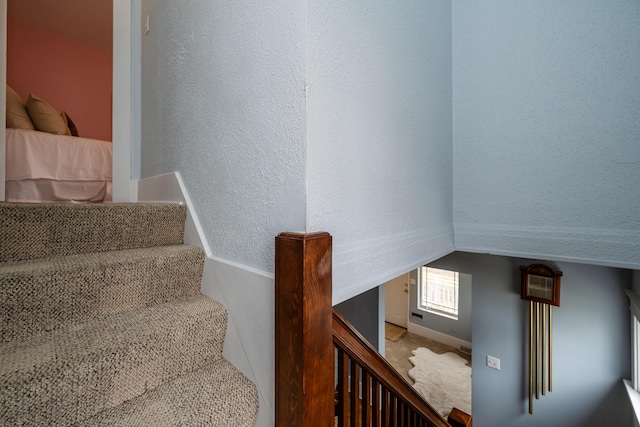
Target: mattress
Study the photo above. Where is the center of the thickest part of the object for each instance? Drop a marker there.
(43, 167)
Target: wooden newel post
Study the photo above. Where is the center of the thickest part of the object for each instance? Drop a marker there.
(304, 382)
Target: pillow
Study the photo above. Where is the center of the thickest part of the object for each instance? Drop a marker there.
(17, 116)
(45, 117)
(73, 130)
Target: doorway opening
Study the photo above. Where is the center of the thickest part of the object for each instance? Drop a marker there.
(428, 320)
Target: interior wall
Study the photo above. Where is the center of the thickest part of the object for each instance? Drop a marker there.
(223, 104)
(71, 76)
(591, 345)
(379, 162)
(545, 142)
(362, 312)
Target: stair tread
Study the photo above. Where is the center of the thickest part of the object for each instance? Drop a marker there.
(46, 293)
(80, 370)
(93, 258)
(40, 230)
(215, 395)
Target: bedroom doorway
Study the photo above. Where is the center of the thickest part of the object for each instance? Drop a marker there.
(119, 104)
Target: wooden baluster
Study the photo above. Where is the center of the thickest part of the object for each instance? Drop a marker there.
(366, 399)
(375, 404)
(393, 413)
(354, 397)
(384, 415)
(343, 388)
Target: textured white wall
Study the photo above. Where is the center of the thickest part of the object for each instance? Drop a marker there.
(223, 104)
(546, 137)
(379, 162)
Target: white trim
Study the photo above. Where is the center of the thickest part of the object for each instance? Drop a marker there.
(169, 188)
(381, 320)
(634, 398)
(437, 336)
(3, 94)
(634, 302)
(123, 190)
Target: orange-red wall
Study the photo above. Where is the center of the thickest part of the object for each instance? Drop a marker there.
(69, 75)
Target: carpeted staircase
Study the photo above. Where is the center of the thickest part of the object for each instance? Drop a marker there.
(102, 322)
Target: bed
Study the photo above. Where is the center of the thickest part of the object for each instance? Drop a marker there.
(43, 167)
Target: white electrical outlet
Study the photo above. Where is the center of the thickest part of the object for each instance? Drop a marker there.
(493, 362)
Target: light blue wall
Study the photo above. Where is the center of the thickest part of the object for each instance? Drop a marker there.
(223, 104)
(546, 136)
(379, 156)
(591, 345)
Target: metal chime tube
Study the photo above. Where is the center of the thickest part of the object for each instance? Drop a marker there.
(531, 357)
(540, 350)
(537, 352)
(550, 343)
(543, 352)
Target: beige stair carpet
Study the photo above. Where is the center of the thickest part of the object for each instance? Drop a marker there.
(40, 230)
(196, 399)
(102, 322)
(43, 294)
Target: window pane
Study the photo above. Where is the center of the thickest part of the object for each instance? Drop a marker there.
(438, 291)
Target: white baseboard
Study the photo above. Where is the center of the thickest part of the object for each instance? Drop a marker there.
(437, 336)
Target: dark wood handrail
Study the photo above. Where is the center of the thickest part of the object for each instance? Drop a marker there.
(349, 340)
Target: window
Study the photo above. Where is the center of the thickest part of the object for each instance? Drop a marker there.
(438, 291)
(633, 386)
(634, 307)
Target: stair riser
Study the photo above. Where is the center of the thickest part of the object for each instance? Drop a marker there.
(43, 296)
(87, 370)
(29, 231)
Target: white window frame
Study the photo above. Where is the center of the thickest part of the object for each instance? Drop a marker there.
(633, 386)
(434, 308)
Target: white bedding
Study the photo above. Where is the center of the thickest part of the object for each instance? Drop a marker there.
(45, 167)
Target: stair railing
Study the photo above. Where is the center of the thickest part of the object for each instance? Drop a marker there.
(382, 397)
(326, 373)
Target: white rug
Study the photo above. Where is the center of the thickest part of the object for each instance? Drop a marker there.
(444, 380)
